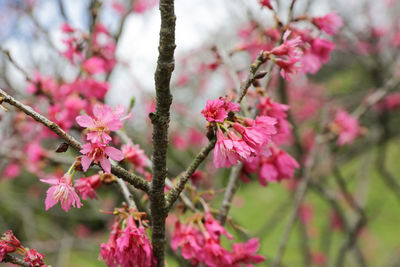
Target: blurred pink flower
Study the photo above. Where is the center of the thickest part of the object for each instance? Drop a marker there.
(346, 126)
(136, 156)
(330, 23)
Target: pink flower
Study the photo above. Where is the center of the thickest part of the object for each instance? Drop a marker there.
(136, 156)
(133, 246)
(266, 3)
(86, 187)
(214, 228)
(104, 121)
(66, 28)
(189, 239)
(254, 136)
(318, 258)
(214, 255)
(98, 153)
(63, 191)
(244, 253)
(336, 221)
(215, 111)
(108, 250)
(278, 166)
(330, 23)
(306, 213)
(34, 258)
(318, 54)
(346, 126)
(94, 65)
(289, 48)
(288, 66)
(389, 103)
(229, 151)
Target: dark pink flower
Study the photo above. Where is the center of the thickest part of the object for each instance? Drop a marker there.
(108, 250)
(330, 23)
(133, 246)
(86, 187)
(288, 66)
(12, 171)
(215, 111)
(34, 258)
(214, 255)
(99, 153)
(244, 253)
(189, 240)
(63, 191)
(214, 228)
(289, 48)
(266, 3)
(136, 156)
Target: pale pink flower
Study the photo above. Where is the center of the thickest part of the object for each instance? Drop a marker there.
(306, 213)
(244, 253)
(136, 156)
(141, 6)
(105, 120)
(94, 65)
(330, 23)
(215, 111)
(63, 191)
(99, 153)
(346, 126)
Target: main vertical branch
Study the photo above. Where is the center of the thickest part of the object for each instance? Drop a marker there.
(160, 120)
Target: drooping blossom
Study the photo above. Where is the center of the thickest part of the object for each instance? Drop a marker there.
(346, 126)
(86, 187)
(244, 253)
(34, 258)
(214, 255)
(108, 250)
(99, 153)
(289, 47)
(128, 246)
(135, 155)
(228, 151)
(214, 227)
(288, 66)
(133, 246)
(317, 55)
(105, 120)
(62, 191)
(330, 23)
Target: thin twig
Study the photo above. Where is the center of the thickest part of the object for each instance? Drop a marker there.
(126, 193)
(184, 177)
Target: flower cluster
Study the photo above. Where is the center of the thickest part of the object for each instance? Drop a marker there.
(135, 155)
(199, 241)
(9, 243)
(275, 168)
(99, 126)
(245, 138)
(128, 245)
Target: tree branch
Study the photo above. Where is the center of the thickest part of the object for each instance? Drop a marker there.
(160, 120)
(131, 178)
(184, 177)
(15, 260)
